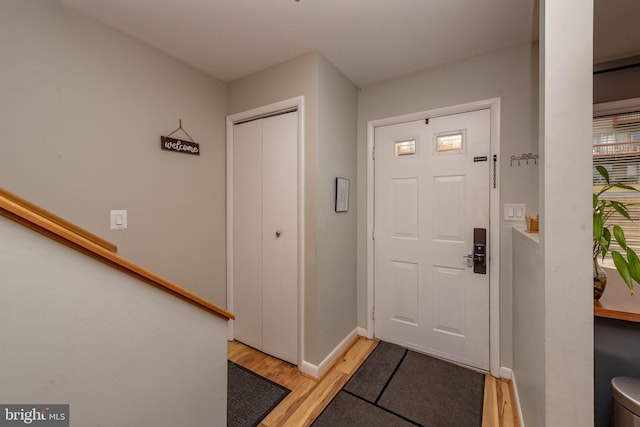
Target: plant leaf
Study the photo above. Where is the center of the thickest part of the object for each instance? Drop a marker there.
(621, 209)
(595, 200)
(634, 265)
(605, 242)
(603, 250)
(598, 225)
(603, 172)
(619, 235)
(626, 187)
(623, 268)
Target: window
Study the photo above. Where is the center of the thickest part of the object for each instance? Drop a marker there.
(616, 146)
(450, 142)
(405, 148)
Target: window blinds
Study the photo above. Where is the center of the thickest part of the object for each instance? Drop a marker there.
(616, 146)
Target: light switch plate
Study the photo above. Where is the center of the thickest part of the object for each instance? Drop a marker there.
(118, 219)
(514, 212)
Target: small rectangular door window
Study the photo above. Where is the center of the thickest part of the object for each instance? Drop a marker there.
(405, 148)
(452, 142)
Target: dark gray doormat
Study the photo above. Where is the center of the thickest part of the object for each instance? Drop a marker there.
(409, 388)
(250, 397)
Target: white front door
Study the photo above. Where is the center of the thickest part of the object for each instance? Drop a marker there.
(432, 184)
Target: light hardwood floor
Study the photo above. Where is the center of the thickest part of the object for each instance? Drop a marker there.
(309, 396)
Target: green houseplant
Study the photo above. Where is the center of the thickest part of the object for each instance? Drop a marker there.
(626, 262)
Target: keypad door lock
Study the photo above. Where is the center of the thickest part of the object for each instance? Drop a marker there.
(478, 258)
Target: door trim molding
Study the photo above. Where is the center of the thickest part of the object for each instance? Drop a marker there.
(493, 105)
(296, 103)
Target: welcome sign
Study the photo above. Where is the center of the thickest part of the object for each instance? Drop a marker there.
(179, 145)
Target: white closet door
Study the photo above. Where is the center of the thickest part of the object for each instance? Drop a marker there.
(266, 235)
(247, 232)
(280, 236)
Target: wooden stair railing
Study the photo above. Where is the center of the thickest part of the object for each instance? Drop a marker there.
(54, 227)
(57, 220)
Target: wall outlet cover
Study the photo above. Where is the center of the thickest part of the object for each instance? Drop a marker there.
(514, 212)
(118, 219)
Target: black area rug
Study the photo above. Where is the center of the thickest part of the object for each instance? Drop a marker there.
(370, 379)
(399, 387)
(250, 397)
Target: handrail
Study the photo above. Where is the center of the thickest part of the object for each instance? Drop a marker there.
(60, 221)
(20, 212)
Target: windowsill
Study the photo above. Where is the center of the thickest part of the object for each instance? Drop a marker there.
(617, 302)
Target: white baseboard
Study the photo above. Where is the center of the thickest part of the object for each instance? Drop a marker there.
(508, 374)
(230, 330)
(362, 332)
(316, 371)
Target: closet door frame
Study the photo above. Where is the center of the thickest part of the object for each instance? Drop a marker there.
(296, 103)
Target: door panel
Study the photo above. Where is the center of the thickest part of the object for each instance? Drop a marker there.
(448, 301)
(405, 207)
(405, 290)
(247, 232)
(280, 236)
(426, 207)
(448, 197)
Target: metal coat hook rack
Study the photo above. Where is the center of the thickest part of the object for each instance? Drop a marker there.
(526, 157)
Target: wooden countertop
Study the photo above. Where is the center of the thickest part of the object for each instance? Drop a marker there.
(617, 302)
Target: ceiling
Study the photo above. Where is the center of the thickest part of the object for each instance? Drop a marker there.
(368, 40)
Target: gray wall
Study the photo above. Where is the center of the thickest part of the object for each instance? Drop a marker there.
(298, 77)
(509, 74)
(83, 107)
(337, 304)
(616, 353)
(616, 85)
(329, 132)
(117, 350)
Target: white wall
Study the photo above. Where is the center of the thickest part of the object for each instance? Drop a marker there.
(82, 109)
(118, 351)
(566, 108)
(529, 326)
(511, 75)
